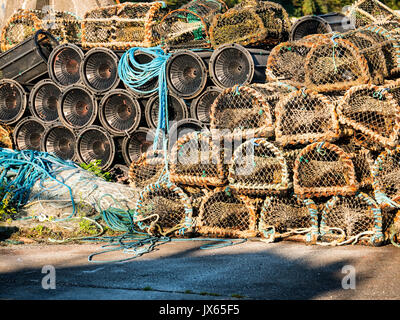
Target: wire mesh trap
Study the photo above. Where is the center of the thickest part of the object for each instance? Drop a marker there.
(122, 26)
(323, 169)
(201, 106)
(288, 218)
(258, 167)
(13, 101)
(305, 116)
(28, 134)
(60, 141)
(44, 99)
(224, 213)
(196, 160)
(241, 110)
(351, 219)
(147, 169)
(373, 111)
(162, 209)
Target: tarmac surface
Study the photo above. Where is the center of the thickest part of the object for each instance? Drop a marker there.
(182, 271)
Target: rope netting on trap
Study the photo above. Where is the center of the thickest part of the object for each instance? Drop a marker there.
(351, 219)
(324, 169)
(123, 26)
(64, 26)
(224, 213)
(251, 22)
(373, 111)
(196, 160)
(241, 110)
(288, 217)
(258, 167)
(305, 116)
(6, 140)
(188, 26)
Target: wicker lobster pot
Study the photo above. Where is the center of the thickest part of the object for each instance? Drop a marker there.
(224, 213)
(122, 26)
(323, 169)
(305, 116)
(288, 218)
(196, 160)
(258, 167)
(348, 219)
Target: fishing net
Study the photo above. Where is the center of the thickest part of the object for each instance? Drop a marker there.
(196, 160)
(188, 26)
(163, 208)
(6, 137)
(288, 218)
(224, 213)
(305, 116)
(196, 195)
(323, 169)
(258, 167)
(147, 169)
(241, 110)
(123, 25)
(349, 219)
(373, 111)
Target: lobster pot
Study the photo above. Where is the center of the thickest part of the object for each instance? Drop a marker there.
(373, 111)
(322, 169)
(119, 112)
(183, 127)
(64, 64)
(28, 134)
(60, 141)
(188, 26)
(93, 144)
(6, 140)
(201, 106)
(288, 218)
(364, 12)
(44, 99)
(122, 26)
(147, 169)
(136, 144)
(223, 213)
(348, 219)
(162, 209)
(13, 101)
(386, 178)
(241, 111)
(305, 116)
(196, 160)
(258, 167)
(64, 26)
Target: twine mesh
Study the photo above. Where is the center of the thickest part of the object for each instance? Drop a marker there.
(323, 169)
(6, 137)
(258, 167)
(288, 218)
(122, 26)
(348, 219)
(223, 213)
(305, 116)
(196, 160)
(243, 109)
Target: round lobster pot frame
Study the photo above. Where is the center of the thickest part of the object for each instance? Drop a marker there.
(323, 169)
(13, 101)
(119, 112)
(162, 209)
(223, 213)
(290, 218)
(348, 219)
(44, 99)
(147, 169)
(95, 143)
(28, 134)
(305, 116)
(137, 143)
(258, 167)
(243, 109)
(59, 140)
(195, 160)
(201, 106)
(64, 64)
(373, 111)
